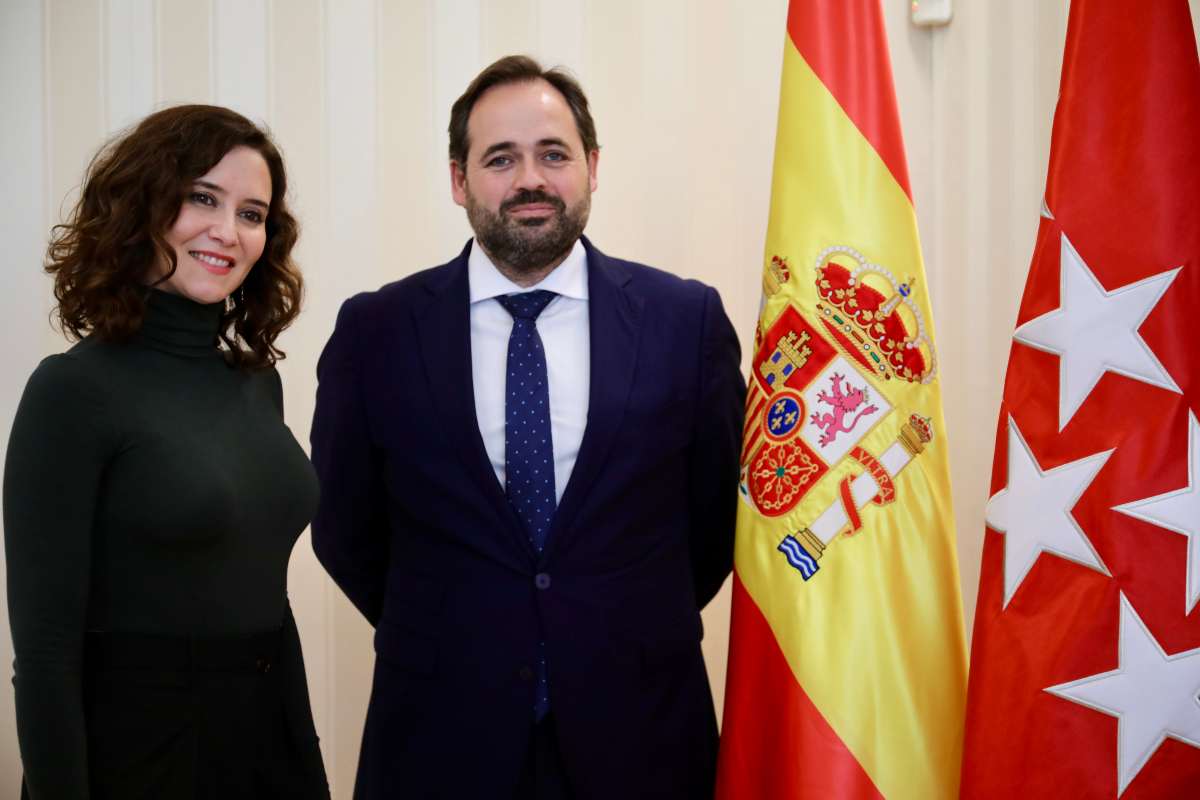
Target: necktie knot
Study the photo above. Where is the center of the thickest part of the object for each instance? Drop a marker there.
(526, 305)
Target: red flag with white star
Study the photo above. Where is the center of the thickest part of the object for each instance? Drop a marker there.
(1085, 663)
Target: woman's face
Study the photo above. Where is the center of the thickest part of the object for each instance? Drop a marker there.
(221, 228)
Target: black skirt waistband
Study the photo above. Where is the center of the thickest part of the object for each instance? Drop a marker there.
(256, 652)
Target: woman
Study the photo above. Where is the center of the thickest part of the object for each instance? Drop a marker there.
(152, 493)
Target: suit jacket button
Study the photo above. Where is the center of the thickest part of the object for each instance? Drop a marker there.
(525, 673)
(541, 580)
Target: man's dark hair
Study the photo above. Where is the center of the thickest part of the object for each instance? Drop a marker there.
(519, 69)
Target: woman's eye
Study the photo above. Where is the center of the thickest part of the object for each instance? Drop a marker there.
(203, 198)
(250, 215)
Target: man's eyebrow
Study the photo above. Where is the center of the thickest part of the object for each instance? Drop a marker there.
(495, 148)
(214, 187)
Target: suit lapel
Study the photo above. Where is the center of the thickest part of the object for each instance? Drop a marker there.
(614, 324)
(444, 332)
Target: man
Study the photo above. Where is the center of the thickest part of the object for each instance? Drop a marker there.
(528, 460)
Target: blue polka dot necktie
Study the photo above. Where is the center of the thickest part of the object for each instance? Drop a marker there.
(528, 444)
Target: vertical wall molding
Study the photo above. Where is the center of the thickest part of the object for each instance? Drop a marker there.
(185, 51)
(25, 335)
(43, 69)
(561, 35)
(130, 61)
(240, 53)
(506, 27)
(457, 37)
(351, 256)
(295, 94)
(76, 92)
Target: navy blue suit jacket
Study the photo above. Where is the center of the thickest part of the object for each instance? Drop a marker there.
(417, 531)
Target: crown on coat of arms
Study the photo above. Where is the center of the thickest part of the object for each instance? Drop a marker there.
(874, 309)
(916, 433)
(775, 275)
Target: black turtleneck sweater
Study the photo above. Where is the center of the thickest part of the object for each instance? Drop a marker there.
(149, 488)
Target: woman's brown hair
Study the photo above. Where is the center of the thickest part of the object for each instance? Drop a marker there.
(132, 192)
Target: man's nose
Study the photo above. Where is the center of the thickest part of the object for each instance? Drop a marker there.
(530, 175)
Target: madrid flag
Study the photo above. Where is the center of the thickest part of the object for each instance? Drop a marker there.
(1085, 664)
(847, 671)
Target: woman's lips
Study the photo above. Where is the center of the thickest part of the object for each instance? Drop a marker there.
(213, 262)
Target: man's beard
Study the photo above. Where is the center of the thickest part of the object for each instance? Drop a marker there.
(528, 245)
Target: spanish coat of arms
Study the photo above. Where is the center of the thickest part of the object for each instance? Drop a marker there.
(817, 389)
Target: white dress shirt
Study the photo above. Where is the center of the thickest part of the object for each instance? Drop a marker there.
(563, 328)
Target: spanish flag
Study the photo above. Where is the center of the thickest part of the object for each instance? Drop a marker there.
(847, 671)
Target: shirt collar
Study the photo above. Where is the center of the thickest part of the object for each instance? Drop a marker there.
(568, 279)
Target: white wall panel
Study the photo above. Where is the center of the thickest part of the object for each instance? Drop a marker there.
(661, 47)
(350, 257)
(457, 37)
(352, 129)
(239, 55)
(184, 51)
(296, 113)
(507, 27)
(562, 35)
(618, 105)
(129, 60)
(967, 367)
(74, 82)
(415, 197)
(23, 218)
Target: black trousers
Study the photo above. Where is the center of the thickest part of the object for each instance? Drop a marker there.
(543, 776)
(192, 719)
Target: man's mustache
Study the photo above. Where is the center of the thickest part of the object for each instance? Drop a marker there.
(527, 196)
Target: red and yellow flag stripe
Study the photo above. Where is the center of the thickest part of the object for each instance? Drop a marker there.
(851, 682)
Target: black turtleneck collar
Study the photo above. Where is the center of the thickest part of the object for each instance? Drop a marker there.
(177, 325)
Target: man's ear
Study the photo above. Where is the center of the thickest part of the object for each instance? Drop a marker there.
(458, 182)
(593, 160)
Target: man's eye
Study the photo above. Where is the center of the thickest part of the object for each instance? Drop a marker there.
(499, 161)
(555, 155)
(203, 198)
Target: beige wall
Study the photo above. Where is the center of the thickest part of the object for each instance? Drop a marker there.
(685, 95)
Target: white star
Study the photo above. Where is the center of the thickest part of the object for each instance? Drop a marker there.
(1094, 331)
(1151, 694)
(1179, 511)
(1034, 511)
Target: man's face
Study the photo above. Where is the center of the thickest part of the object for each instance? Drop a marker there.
(527, 183)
